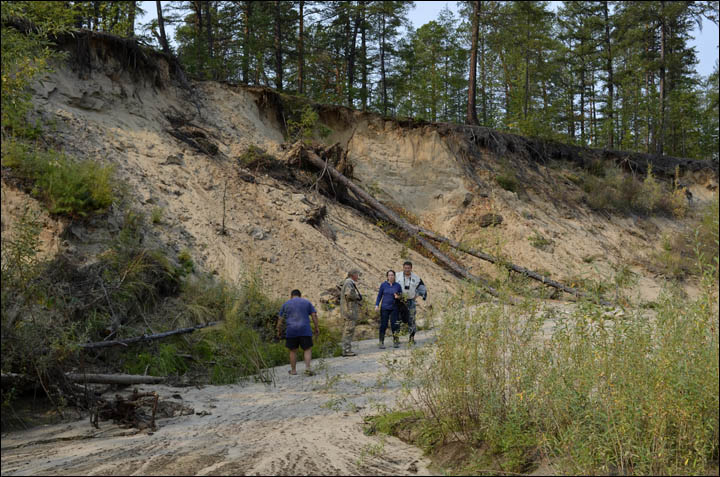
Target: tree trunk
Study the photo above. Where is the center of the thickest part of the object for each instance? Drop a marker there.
(161, 26)
(483, 78)
(527, 70)
(96, 16)
(122, 379)
(582, 106)
(382, 64)
(363, 52)
(138, 339)
(131, 19)
(610, 85)
(278, 49)
(660, 134)
(301, 60)
(471, 117)
(246, 43)
(593, 111)
(351, 58)
(208, 28)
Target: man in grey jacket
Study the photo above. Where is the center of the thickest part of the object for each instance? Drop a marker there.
(412, 287)
(350, 299)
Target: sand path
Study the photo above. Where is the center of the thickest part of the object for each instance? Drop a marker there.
(302, 425)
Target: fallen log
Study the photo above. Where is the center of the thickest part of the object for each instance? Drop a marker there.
(124, 379)
(509, 265)
(22, 381)
(391, 215)
(138, 339)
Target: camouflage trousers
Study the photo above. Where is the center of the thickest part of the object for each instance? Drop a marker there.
(350, 320)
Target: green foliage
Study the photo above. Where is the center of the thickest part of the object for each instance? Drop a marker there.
(24, 58)
(36, 337)
(186, 261)
(684, 253)
(307, 126)
(162, 362)
(65, 186)
(157, 215)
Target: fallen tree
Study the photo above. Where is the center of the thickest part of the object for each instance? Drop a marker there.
(25, 382)
(121, 379)
(300, 152)
(139, 339)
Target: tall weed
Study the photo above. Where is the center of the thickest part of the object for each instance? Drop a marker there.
(631, 392)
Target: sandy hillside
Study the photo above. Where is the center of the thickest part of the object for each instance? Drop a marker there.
(301, 425)
(126, 123)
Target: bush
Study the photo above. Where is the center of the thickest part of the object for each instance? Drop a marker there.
(620, 192)
(680, 254)
(306, 126)
(65, 186)
(605, 394)
(508, 181)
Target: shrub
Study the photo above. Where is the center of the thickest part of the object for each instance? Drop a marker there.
(600, 393)
(65, 186)
(157, 215)
(620, 192)
(508, 181)
(306, 126)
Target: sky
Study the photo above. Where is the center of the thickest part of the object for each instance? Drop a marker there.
(705, 41)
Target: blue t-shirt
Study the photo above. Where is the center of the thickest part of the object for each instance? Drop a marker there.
(387, 295)
(296, 312)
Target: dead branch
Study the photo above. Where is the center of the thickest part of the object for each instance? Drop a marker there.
(121, 379)
(138, 339)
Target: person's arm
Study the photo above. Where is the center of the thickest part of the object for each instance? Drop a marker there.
(354, 294)
(379, 296)
(279, 323)
(315, 322)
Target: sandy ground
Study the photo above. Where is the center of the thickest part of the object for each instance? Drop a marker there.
(300, 426)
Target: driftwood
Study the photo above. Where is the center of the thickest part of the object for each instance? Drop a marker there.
(139, 339)
(122, 379)
(419, 233)
(128, 412)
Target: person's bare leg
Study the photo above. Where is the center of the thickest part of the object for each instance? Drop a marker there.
(307, 356)
(293, 360)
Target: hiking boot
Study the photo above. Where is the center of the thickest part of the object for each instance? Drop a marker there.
(396, 344)
(381, 345)
(349, 353)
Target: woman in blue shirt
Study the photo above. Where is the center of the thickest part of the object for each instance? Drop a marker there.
(389, 291)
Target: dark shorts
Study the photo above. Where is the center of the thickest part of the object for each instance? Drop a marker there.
(305, 342)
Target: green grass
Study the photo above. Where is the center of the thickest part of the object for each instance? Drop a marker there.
(616, 191)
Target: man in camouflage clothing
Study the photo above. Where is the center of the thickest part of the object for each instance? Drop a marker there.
(350, 299)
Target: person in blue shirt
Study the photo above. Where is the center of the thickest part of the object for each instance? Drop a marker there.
(388, 293)
(296, 313)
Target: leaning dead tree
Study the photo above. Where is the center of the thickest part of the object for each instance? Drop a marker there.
(300, 152)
